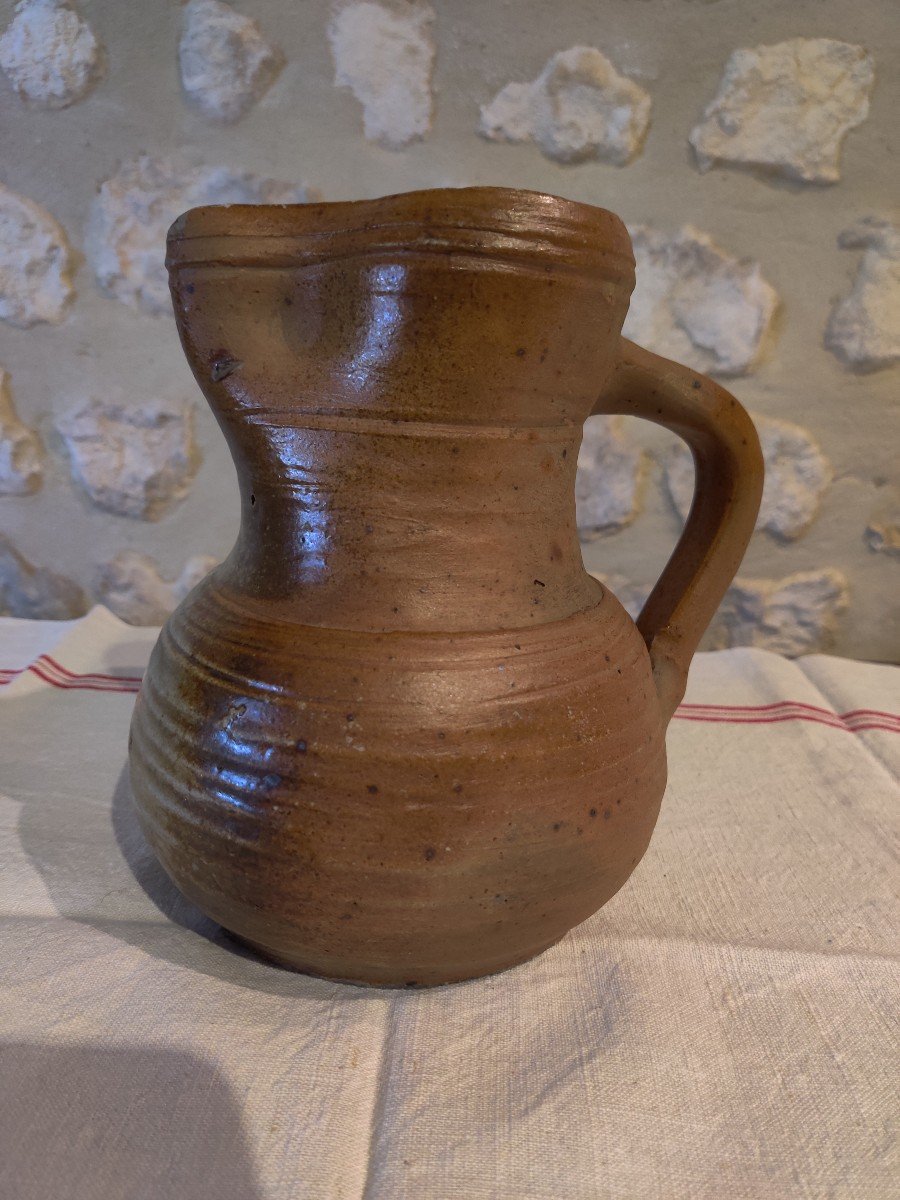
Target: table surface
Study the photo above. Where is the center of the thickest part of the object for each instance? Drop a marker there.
(725, 1026)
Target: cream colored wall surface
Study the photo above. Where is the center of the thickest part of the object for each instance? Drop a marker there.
(740, 266)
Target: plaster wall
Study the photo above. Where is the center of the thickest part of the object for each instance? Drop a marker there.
(835, 462)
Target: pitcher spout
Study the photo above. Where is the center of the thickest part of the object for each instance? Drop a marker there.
(451, 305)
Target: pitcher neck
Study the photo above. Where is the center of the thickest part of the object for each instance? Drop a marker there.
(418, 527)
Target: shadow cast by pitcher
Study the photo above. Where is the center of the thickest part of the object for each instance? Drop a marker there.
(90, 1122)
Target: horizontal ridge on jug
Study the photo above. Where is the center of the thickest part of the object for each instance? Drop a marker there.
(400, 736)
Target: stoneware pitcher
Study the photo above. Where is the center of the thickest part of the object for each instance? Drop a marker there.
(400, 736)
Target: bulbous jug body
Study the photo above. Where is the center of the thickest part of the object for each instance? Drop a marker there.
(400, 736)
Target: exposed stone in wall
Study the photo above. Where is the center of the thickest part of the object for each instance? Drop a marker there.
(226, 63)
(797, 476)
(21, 453)
(864, 328)
(50, 54)
(786, 108)
(133, 210)
(384, 54)
(134, 459)
(632, 596)
(695, 303)
(35, 263)
(579, 107)
(35, 592)
(131, 586)
(607, 485)
(795, 615)
(883, 528)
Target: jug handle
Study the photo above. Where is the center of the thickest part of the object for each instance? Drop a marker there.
(727, 491)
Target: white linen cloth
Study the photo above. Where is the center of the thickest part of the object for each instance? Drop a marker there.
(724, 1027)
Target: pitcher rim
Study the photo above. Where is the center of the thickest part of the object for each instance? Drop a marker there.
(486, 220)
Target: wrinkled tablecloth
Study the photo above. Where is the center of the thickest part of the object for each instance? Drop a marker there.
(725, 1027)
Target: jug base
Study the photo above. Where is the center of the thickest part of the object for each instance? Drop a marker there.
(393, 980)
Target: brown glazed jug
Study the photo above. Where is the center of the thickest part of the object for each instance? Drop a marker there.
(400, 736)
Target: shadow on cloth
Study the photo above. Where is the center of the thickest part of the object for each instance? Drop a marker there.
(93, 1123)
(100, 871)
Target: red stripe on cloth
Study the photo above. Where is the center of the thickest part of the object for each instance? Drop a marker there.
(57, 666)
(82, 685)
(856, 720)
(788, 710)
(54, 672)
(743, 717)
(799, 704)
(869, 712)
(790, 704)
